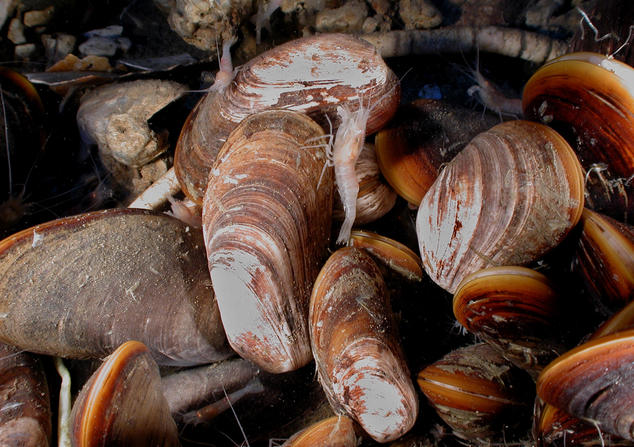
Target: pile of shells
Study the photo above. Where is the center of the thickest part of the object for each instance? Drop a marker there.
(263, 280)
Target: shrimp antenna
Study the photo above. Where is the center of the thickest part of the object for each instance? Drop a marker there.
(585, 18)
(236, 416)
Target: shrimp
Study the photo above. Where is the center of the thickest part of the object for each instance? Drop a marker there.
(226, 73)
(348, 143)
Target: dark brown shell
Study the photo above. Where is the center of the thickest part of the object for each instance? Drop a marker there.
(266, 221)
(589, 99)
(514, 309)
(81, 286)
(477, 392)
(605, 259)
(507, 198)
(25, 411)
(122, 404)
(359, 360)
(312, 75)
(595, 382)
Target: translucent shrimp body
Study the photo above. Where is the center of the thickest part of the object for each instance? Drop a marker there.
(346, 149)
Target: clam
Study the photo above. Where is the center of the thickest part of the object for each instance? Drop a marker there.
(605, 259)
(512, 194)
(516, 310)
(25, 411)
(110, 411)
(594, 382)
(336, 431)
(389, 252)
(359, 361)
(423, 136)
(266, 222)
(477, 392)
(80, 286)
(312, 75)
(589, 99)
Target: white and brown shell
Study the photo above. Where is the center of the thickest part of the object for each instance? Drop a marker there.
(312, 75)
(507, 198)
(266, 222)
(359, 360)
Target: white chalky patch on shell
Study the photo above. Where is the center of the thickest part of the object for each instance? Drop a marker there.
(37, 239)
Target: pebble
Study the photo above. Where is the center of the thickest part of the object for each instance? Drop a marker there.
(419, 14)
(348, 18)
(38, 17)
(15, 33)
(25, 50)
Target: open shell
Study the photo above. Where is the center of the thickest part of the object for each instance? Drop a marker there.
(359, 361)
(312, 75)
(266, 222)
(506, 199)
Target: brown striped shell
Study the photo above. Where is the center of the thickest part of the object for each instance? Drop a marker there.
(80, 286)
(312, 75)
(514, 309)
(506, 199)
(266, 222)
(476, 392)
(335, 431)
(359, 360)
(123, 403)
(595, 381)
(589, 99)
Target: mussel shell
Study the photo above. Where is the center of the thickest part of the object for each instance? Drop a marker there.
(25, 412)
(507, 198)
(389, 252)
(266, 222)
(605, 259)
(589, 99)
(595, 382)
(312, 75)
(80, 286)
(336, 431)
(476, 392)
(123, 404)
(359, 360)
(422, 136)
(516, 310)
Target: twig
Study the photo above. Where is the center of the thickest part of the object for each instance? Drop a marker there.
(513, 42)
(63, 419)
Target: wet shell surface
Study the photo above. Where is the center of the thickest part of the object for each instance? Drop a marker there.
(359, 361)
(266, 222)
(589, 99)
(336, 431)
(422, 136)
(595, 382)
(123, 404)
(605, 259)
(79, 287)
(312, 75)
(516, 310)
(507, 198)
(476, 392)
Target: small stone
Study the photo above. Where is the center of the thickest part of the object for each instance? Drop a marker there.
(58, 46)
(98, 46)
(38, 17)
(15, 33)
(349, 18)
(25, 50)
(370, 25)
(419, 14)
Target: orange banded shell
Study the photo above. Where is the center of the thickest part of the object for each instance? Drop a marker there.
(595, 381)
(507, 198)
(589, 99)
(312, 75)
(266, 222)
